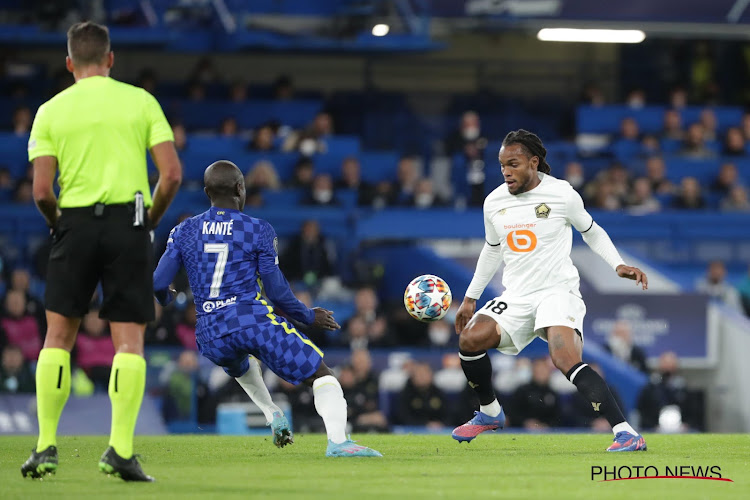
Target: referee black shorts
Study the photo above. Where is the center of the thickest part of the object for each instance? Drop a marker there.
(89, 248)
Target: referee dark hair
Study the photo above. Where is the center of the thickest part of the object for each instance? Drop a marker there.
(96, 134)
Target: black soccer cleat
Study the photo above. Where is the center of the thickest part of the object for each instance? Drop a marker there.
(128, 470)
(39, 464)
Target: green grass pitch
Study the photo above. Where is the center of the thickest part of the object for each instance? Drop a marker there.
(493, 466)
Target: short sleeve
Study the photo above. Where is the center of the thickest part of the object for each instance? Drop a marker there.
(158, 127)
(490, 234)
(576, 214)
(268, 249)
(40, 142)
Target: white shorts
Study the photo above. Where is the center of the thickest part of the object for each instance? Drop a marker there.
(522, 319)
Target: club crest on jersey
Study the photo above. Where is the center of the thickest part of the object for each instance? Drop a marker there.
(542, 211)
(502, 211)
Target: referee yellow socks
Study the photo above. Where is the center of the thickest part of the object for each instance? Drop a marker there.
(52, 391)
(127, 381)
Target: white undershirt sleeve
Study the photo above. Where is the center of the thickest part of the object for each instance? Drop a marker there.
(594, 236)
(598, 240)
(489, 261)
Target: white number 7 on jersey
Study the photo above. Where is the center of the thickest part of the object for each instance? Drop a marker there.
(222, 249)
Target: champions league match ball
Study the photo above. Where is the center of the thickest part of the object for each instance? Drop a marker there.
(427, 298)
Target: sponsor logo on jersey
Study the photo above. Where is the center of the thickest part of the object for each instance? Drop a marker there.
(212, 305)
(521, 240)
(542, 211)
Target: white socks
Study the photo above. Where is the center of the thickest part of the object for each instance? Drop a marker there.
(331, 406)
(623, 427)
(252, 383)
(493, 409)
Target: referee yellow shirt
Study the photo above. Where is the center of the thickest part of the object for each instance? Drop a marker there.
(99, 130)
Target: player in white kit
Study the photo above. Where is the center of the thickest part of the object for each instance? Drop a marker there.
(528, 223)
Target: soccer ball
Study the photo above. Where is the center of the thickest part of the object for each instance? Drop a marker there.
(427, 298)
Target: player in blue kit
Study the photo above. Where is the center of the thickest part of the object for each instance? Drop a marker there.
(231, 260)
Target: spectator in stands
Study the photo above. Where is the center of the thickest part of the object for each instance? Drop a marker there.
(383, 195)
(367, 308)
(656, 171)
(710, 125)
(309, 257)
(22, 119)
(300, 398)
(6, 184)
(363, 396)
(629, 129)
(24, 193)
(694, 145)
(262, 175)
(440, 334)
(20, 279)
(238, 91)
(147, 80)
(715, 285)
(196, 91)
(205, 71)
(744, 291)
(673, 126)
(263, 139)
(689, 196)
(736, 201)
(592, 95)
(229, 127)
(641, 200)
(727, 178)
(321, 192)
(636, 98)
(15, 374)
(678, 97)
(408, 175)
(746, 125)
(18, 327)
(450, 378)
(186, 327)
(574, 175)
(421, 402)
(604, 196)
(355, 333)
(468, 139)
(734, 143)
(424, 195)
(303, 173)
(620, 344)
(618, 177)
(535, 404)
(667, 389)
(283, 88)
(311, 140)
(182, 382)
(162, 329)
(650, 145)
(584, 414)
(180, 137)
(94, 349)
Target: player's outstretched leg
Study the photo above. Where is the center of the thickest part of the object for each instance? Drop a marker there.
(252, 383)
(331, 406)
(565, 348)
(478, 336)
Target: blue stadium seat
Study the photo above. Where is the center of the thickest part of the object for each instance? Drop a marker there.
(378, 166)
(703, 170)
(13, 153)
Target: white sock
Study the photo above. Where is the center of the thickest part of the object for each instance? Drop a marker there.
(493, 409)
(252, 383)
(623, 427)
(331, 406)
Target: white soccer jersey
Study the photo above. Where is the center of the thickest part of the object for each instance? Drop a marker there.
(533, 229)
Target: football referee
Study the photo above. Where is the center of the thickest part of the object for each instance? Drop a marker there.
(96, 134)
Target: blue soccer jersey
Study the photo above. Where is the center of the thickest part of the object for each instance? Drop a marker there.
(230, 258)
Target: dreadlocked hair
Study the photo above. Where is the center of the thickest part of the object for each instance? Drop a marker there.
(532, 145)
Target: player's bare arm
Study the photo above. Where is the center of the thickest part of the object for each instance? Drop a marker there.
(45, 168)
(170, 177)
(633, 273)
(324, 319)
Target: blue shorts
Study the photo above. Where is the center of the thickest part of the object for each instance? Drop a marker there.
(287, 352)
